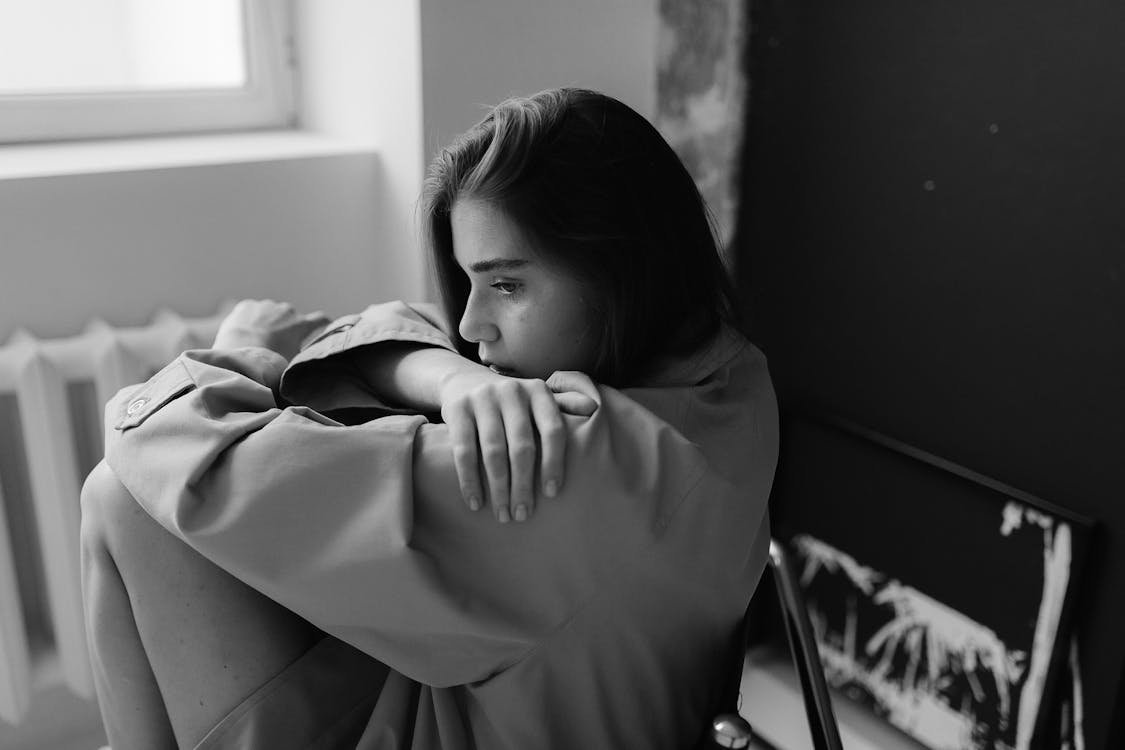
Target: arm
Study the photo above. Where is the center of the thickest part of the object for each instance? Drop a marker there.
(413, 375)
(505, 430)
(427, 378)
(354, 528)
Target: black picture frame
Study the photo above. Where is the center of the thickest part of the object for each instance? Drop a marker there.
(942, 599)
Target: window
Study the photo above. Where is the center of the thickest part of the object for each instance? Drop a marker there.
(103, 68)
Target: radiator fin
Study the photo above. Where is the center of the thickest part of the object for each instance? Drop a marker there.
(48, 437)
(23, 608)
(86, 416)
(52, 397)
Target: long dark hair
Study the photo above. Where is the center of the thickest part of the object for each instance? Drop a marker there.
(600, 192)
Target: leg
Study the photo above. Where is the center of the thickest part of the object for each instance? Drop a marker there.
(176, 642)
(132, 709)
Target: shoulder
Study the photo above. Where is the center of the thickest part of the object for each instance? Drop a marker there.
(659, 440)
(722, 390)
(725, 420)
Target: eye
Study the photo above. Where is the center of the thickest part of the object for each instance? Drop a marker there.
(506, 288)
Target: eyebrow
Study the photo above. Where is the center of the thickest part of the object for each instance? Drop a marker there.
(498, 264)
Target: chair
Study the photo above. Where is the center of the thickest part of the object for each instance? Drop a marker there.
(731, 730)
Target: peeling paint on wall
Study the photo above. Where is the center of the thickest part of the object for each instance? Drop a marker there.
(701, 97)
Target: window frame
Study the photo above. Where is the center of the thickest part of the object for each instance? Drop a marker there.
(265, 101)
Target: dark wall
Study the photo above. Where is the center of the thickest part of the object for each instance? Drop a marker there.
(932, 244)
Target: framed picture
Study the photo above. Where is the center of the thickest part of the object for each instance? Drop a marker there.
(941, 599)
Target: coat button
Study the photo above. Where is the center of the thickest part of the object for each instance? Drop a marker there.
(136, 406)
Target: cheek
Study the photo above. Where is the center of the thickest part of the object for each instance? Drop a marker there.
(520, 327)
(522, 324)
(576, 335)
(581, 322)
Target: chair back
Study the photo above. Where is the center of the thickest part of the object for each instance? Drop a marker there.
(729, 730)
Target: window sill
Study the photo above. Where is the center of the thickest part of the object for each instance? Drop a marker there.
(19, 161)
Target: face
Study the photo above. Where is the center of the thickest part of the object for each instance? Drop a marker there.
(527, 316)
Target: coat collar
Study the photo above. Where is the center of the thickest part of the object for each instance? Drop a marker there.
(699, 364)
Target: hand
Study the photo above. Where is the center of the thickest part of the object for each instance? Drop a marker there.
(273, 325)
(493, 422)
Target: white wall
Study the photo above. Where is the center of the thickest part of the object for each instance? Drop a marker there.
(476, 53)
(124, 244)
(361, 81)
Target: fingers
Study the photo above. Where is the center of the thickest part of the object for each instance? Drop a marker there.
(463, 435)
(493, 453)
(312, 325)
(575, 403)
(552, 440)
(505, 433)
(318, 318)
(573, 380)
(522, 453)
(575, 393)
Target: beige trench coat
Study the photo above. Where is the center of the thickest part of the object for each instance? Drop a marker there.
(603, 622)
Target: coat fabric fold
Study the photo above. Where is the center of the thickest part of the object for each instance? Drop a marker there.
(605, 621)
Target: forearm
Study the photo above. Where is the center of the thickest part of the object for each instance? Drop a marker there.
(412, 375)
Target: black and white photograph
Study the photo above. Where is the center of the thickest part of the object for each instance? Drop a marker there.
(953, 635)
(562, 375)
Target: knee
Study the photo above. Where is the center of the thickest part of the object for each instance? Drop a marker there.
(107, 509)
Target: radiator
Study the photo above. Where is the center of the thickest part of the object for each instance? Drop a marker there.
(52, 393)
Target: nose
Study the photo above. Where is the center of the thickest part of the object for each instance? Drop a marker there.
(476, 324)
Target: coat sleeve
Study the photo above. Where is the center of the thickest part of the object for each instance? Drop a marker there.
(323, 379)
(361, 529)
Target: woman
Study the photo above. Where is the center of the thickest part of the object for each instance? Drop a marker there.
(264, 575)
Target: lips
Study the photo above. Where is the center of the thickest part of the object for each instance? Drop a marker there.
(498, 369)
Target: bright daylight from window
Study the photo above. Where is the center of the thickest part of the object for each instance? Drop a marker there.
(101, 46)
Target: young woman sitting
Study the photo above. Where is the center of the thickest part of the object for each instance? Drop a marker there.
(277, 551)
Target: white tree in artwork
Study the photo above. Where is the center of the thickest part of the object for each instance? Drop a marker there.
(950, 642)
(821, 556)
(1056, 579)
(915, 657)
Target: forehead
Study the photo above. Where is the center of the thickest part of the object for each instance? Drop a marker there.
(481, 232)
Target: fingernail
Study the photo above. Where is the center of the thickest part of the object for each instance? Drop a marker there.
(503, 515)
(521, 512)
(552, 488)
(474, 504)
